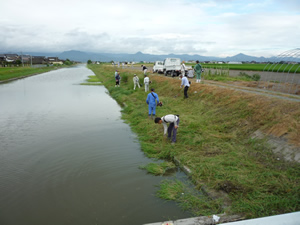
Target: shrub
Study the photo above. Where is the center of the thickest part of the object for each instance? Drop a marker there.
(256, 77)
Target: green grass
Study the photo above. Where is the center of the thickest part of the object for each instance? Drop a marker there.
(214, 142)
(254, 67)
(189, 199)
(92, 80)
(158, 169)
(7, 73)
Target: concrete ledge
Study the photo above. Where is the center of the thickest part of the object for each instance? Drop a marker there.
(202, 220)
(284, 219)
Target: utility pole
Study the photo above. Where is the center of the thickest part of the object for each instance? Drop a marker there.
(22, 59)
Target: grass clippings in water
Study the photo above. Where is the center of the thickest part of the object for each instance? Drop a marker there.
(158, 168)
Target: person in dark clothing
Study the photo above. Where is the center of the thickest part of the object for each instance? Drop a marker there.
(118, 78)
(144, 68)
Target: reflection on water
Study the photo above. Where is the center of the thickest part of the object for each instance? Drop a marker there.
(66, 157)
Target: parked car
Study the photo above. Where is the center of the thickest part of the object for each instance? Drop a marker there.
(158, 67)
(172, 66)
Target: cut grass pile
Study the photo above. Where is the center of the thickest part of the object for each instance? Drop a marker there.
(159, 169)
(214, 141)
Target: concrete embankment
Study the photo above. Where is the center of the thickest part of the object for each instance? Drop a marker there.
(286, 219)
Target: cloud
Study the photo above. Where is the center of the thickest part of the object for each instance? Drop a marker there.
(208, 27)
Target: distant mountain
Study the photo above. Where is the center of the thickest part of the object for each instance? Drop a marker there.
(139, 56)
(244, 58)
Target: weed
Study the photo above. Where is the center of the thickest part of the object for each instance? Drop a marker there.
(188, 198)
(214, 142)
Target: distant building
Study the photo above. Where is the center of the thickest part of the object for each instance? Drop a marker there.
(39, 60)
(234, 63)
(25, 58)
(54, 60)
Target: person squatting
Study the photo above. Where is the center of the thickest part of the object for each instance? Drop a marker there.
(173, 121)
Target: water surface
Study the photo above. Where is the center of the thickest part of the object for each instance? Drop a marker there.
(66, 157)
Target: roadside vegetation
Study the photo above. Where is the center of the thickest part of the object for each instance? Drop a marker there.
(215, 142)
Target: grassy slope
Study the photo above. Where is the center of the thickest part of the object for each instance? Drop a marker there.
(214, 139)
(7, 73)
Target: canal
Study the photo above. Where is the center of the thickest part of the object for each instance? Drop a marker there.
(66, 157)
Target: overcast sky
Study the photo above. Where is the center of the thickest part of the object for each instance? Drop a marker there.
(204, 27)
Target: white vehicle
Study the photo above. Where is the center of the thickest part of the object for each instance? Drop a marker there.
(172, 66)
(158, 67)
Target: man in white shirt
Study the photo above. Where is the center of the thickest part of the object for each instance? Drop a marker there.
(173, 121)
(146, 83)
(186, 84)
(136, 81)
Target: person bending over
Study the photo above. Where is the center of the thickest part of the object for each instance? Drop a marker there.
(173, 121)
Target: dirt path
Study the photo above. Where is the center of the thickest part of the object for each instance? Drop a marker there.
(258, 91)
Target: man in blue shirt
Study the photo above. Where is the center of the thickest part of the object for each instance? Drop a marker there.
(152, 100)
(186, 84)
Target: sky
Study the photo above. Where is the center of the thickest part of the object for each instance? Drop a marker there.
(204, 27)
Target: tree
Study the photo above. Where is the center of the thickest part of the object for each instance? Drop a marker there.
(68, 62)
(89, 61)
(18, 62)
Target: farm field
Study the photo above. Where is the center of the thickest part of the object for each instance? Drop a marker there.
(292, 68)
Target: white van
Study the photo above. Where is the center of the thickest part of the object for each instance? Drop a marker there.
(158, 67)
(172, 66)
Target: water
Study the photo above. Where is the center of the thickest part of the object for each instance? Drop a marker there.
(66, 157)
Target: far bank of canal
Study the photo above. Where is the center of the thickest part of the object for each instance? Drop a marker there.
(66, 157)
